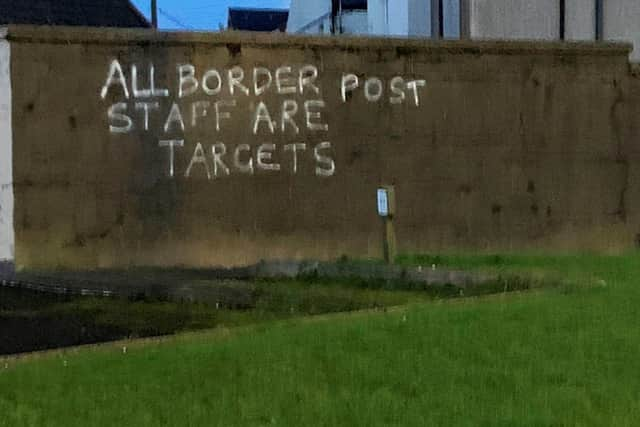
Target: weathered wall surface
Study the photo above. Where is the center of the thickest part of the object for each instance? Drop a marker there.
(6, 173)
(491, 146)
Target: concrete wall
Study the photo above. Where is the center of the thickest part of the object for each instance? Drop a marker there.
(6, 170)
(491, 146)
(515, 19)
(622, 22)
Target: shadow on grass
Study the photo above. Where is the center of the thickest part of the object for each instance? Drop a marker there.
(32, 321)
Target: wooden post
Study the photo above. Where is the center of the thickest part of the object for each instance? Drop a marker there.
(154, 14)
(387, 210)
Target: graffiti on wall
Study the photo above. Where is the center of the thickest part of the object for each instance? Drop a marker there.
(215, 99)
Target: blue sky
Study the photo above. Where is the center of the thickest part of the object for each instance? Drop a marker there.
(200, 14)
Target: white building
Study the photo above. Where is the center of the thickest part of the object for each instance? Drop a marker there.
(477, 19)
(328, 17)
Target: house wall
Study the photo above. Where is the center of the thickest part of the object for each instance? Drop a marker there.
(515, 19)
(507, 147)
(388, 17)
(622, 22)
(419, 18)
(524, 19)
(6, 172)
(411, 18)
(580, 20)
(488, 19)
(354, 22)
(302, 12)
(378, 17)
(320, 26)
(451, 16)
(399, 19)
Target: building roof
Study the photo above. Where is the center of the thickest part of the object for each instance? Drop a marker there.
(250, 19)
(91, 13)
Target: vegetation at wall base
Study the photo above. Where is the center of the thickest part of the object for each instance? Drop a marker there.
(31, 321)
(565, 355)
(159, 301)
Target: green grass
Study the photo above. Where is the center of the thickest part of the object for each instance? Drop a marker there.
(272, 301)
(562, 356)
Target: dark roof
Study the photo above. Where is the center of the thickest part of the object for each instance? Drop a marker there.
(354, 4)
(248, 19)
(90, 13)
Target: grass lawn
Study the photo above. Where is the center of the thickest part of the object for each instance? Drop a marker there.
(569, 355)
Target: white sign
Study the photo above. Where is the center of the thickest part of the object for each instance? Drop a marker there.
(383, 202)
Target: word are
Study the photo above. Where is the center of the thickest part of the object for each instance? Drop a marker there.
(285, 80)
(221, 160)
(374, 88)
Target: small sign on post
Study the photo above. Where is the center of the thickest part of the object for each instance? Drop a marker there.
(383, 202)
(387, 210)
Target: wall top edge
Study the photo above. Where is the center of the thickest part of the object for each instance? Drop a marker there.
(115, 36)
